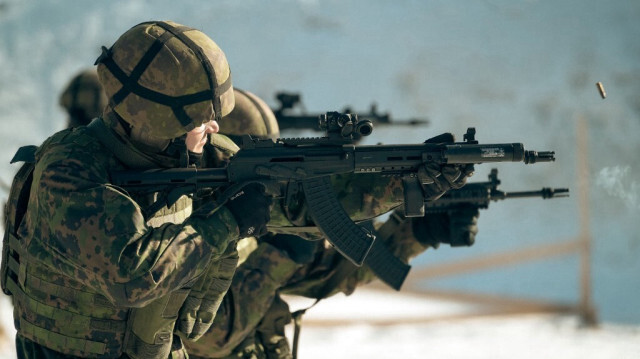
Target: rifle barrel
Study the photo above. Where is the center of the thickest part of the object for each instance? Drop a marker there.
(544, 193)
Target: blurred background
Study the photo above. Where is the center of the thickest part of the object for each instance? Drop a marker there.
(517, 71)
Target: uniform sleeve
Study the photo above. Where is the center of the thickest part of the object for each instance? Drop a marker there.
(95, 233)
(331, 273)
(268, 271)
(249, 299)
(363, 197)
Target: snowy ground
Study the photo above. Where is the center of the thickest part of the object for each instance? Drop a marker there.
(525, 336)
(499, 336)
(7, 332)
(374, 324)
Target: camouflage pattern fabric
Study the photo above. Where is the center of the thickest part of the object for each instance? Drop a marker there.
(234, 332)
(363, 196)
(252, 292)
(250, 116)
(268, 340)
(99, 234)
(250, 315)
(81, 233)
(326, 275)
(177, 69)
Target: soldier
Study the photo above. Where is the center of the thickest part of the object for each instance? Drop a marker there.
(93, 272)
(251, 321)
(83, 98)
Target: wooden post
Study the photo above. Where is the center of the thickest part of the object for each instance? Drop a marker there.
(586, 309)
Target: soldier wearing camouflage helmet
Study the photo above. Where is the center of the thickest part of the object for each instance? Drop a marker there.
(97, 272)
(83, 98)
(251, 116)
(251, 321)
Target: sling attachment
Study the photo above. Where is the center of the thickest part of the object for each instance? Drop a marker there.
(297, 326)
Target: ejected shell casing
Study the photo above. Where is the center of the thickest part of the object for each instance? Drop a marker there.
(603, 94)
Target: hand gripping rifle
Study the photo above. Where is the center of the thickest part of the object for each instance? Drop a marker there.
(313, 160)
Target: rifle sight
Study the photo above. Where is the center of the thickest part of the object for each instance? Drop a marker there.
(347, 125)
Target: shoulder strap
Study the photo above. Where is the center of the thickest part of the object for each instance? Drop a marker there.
(25, 154)
(13, 214)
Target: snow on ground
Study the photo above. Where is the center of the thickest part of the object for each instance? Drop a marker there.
(341, 327)
(506, 336)
(523, 336)
(7, 332)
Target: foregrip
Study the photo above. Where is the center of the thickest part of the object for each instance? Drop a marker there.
(328, 214)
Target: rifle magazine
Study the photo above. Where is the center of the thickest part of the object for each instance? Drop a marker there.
(326, 211)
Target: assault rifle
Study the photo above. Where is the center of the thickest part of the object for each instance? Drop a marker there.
(312, 160)
(288, 118)
(480, 194)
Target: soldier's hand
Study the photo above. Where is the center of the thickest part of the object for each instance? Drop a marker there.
(300, 250)
(456, 228)
(463, 226)
(250, 207)
(201, 305)
(437, 179)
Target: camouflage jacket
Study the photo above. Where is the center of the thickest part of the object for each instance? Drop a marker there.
(251, 321)
(82, 235)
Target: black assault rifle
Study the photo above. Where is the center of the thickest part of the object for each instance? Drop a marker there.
(480, 194)
(312, 160)
(288, 118)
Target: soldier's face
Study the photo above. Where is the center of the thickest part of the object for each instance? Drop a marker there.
(197, 138)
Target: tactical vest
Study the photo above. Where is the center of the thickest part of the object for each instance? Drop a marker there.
(60, 313)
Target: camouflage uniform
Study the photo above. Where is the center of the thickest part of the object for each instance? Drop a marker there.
(91, 273)
(251, 320)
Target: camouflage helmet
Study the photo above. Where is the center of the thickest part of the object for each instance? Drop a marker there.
(251, 116)
(83, 98)
(164, 79)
